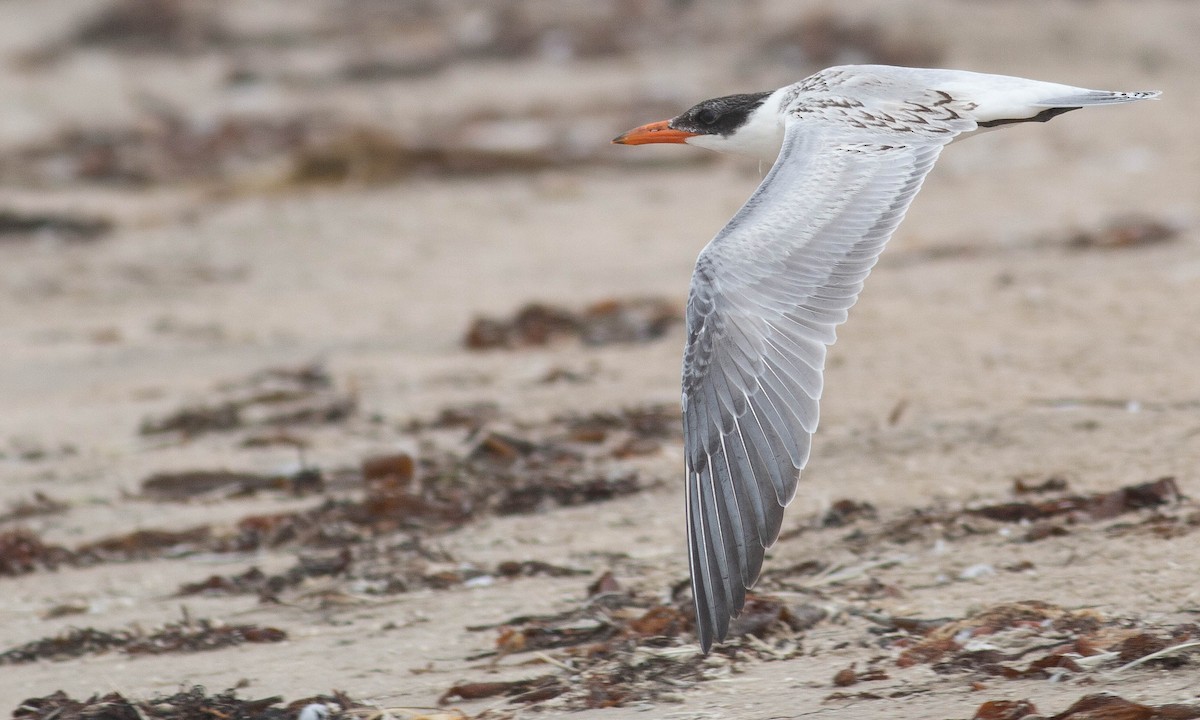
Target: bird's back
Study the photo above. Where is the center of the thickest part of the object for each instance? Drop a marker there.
(927, 100)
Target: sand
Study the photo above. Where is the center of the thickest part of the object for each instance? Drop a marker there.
(985, 348)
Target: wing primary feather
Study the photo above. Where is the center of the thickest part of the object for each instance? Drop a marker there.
(767, 475)
(702, 591)
(715, 544)
(735, 500)
(749, 467)
(729, 513)
(784, 486)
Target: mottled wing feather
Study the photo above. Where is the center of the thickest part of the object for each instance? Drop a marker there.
(766, 297)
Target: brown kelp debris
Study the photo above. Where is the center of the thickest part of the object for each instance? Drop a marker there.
(1034, 639)
(374, 569)
(844, 512)
(471, 417)
(1100, 706)
(1106, 706)
(73, 643)
(251, 581)
(1163, 512)
(1124, 232)
(1026, 486)
(542, 687)
(271, 398)
(212, 484)
(16, 225)
(39, 505)
(852, 675)
(649, 422)
(609, 321)
(531, 568)
(559, 463)
(192, 704)
(824, 38)
(245, 153)
(144, 544)
(367, 156)
(163, 148)
(166, 26)
(619, 647)
(502, 475)
(614, 434)
(1004, 710)
(22, 551)
(185, 636)
(1093, 507)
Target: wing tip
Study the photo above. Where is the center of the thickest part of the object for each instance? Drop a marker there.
(1099, 97)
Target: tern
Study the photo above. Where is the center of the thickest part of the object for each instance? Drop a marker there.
(851, 146)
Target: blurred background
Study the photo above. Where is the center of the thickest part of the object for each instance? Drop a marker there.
(147, 93)
(148, 126)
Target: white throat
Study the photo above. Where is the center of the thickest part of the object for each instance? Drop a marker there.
(759, 137)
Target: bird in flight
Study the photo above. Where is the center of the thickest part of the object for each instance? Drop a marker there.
(851, 146)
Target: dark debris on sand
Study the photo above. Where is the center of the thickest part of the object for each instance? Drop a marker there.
(171, 26)
(1034, 640)
(371, 532)
(603, 323)
(179, 637)
(1125, 232)
(23, 551)
(211, 484)
(271, 398)
(16, 226)
(618, 647)
(246, 154)
(1099, 706)
(40, 505)
(192, 704)
(1163, 510)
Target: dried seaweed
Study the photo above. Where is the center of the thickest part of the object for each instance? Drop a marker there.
(1161, 503)
(192, 704)
(22, 551)
(610, 321)
(167, 26)
(39, 505)
(542, 687)
(184, 636)
(59, 226)
(374, 569)
(1000, 640)
(1125, 232)
(211, 484)
(1097, 506)
(1100, 706)
(271, 398)
(619, 647)
(238, 154)
(500, 474)
(1004, 710)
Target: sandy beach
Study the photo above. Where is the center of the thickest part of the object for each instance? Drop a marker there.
(245, 444)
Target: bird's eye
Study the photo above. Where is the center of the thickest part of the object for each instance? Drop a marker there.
(706, 116)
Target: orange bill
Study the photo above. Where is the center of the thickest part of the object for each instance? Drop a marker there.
(659, 132)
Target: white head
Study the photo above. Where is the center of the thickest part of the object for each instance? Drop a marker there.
(740, 124)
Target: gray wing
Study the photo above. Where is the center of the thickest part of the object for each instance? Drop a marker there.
(766, 297)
